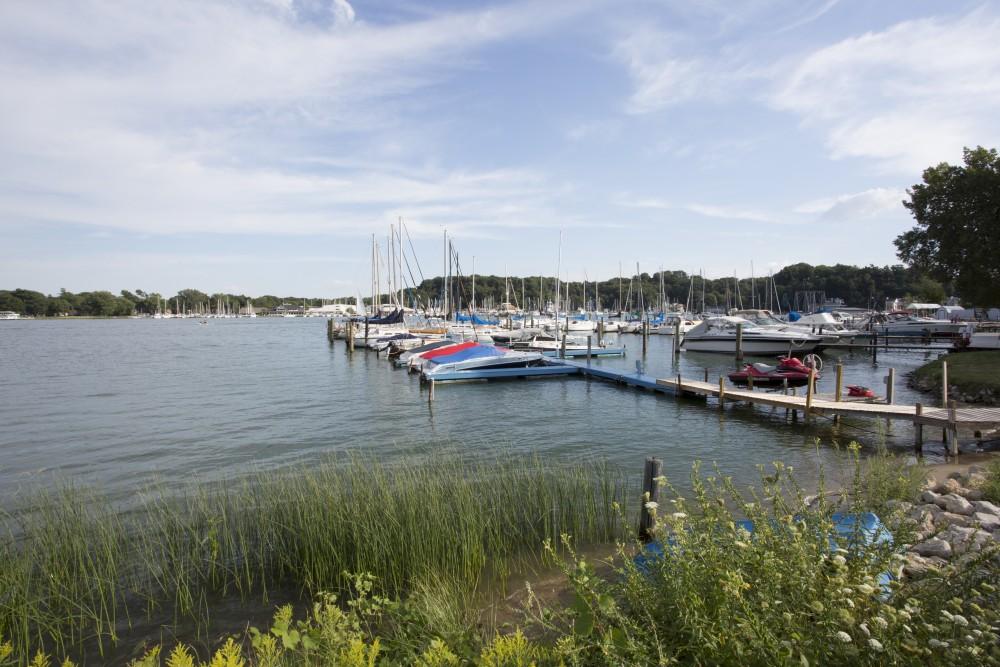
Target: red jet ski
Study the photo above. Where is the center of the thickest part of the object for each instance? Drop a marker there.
(764, 375)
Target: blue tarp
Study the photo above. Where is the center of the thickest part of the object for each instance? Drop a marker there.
(475, 352)
(475, 319)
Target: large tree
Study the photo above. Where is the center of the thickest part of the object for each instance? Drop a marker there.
(957, 237)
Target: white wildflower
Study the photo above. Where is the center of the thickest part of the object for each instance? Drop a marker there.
(958, 619)
(865, 589)
(652, 505)
(947, 614)
(839, 560)
(844, 637)
(881, 622)
(679, 515)
(937, 643)
(864, 629)
(849, 602)
(875, 644)
(661, 480)
(847, 590)
(905, 615)
(741, 544)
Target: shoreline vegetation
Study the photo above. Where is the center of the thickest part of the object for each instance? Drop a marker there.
(409, 564)
(973, 376)
(858, 286)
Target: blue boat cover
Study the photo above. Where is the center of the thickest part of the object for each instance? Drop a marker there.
(475, 319)
(475, 352)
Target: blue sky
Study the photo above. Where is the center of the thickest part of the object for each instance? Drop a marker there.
(256, 146)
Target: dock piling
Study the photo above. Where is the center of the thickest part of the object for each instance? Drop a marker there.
(329, 330)
(706, 375)
(650, 496)
(645, 335)
(430, 392)
(944, 383)
(918, 430)
(589, 341)
(677, 337)
(810, 389)
(952, 429)
(890, 386)
(838, 392)
(722, 391)
(739, 342)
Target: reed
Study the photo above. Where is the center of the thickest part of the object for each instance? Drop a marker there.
(79, 570)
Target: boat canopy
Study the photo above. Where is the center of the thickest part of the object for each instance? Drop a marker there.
(395, 317)
(475, 319)
(448, 349)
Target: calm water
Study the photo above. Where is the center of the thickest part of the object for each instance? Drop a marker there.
(120, 403)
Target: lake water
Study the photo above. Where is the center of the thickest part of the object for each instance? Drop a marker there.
(120, 403)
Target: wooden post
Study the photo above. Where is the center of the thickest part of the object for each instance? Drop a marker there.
(890, 386)
(430, 393)
(795, 413)
(739, 341)
(918, 430)
(677, 337)
(706, 375)
(678, 384)
(722, 391)
(838, 392)
(366, 334)
(952, 429)
(645, 335)
(600, 331)
(329, 330)
(809, 390)
(650, 494)
(749, 381)
(874, 347)
(588, 349)
(944, 384)
(563, 346)
(350, 336)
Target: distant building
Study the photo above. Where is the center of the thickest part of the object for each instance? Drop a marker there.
(331, 310)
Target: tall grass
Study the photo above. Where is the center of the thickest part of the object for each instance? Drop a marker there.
(75, 569)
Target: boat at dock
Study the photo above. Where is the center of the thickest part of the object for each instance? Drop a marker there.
(477, 357)
(719, 334)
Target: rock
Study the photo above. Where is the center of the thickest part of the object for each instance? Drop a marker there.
(929, 483)
(987, 521)
(976, 469)
(929, 496)
(958, 474)
(964, 540)
(949, 485)
(933, 547)
(945, 519)
(955, 503)
(974, 480)
(971, 494)
(985, 506)
(900, 506)
(917, 566)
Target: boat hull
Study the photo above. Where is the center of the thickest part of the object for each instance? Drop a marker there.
(768, 347)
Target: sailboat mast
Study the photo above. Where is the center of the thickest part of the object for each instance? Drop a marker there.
(444, 275)
(558, 271)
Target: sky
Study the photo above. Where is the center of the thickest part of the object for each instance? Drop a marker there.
(255, 147)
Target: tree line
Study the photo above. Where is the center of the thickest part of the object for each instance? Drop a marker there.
(865, 287)
(125, 303)
(862, 287)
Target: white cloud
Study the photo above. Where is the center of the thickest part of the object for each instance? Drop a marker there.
(202, 115)
(909, 96)
(729, 212)
(861, 205)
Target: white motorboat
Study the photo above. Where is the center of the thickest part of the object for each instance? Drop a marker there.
(905, 324)
(765, 320)
(669, 326)
(9, 315)
(825, 323)
(718, 334)
(478, 357)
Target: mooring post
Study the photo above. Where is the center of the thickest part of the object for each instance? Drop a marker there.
(430, 392)
(600, 331)
(706, 375)
(677, 337)
(350, 337)
(918, 430)
(645, 335)
(739, 341)
(329, 330)
(366, 334)
(589, 338)
(810, 389)
(678, 384)
(838, 392)
(952, 429)
(749, 381)
(562, 348)
(722, 391)
(874, 347)
(650, 496)
(944, 384)
(890, 386)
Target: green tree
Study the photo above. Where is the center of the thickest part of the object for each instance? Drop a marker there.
(957, 237)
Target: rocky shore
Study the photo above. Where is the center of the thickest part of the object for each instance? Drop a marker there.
(952, 523)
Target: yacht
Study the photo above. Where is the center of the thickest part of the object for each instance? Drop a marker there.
(825, 323)
(766, 320)
(718, 334)
(905, 324)
(669, 325)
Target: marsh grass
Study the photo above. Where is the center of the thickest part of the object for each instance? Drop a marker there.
(77, 570)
